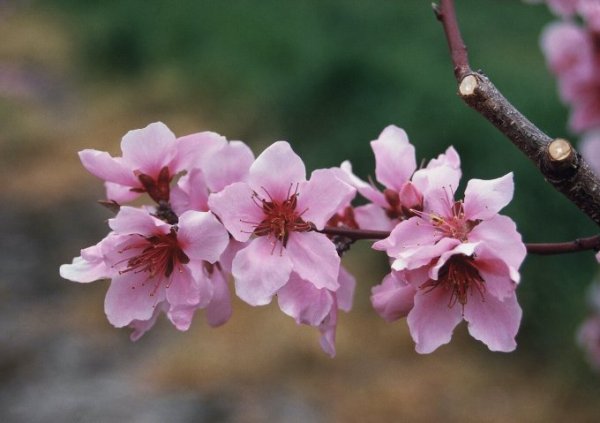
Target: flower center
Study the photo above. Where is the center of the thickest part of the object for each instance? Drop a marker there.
(280, 217)
(158, 256)
(454, 226)
(460, 276)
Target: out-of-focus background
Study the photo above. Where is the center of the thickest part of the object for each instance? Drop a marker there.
(328, 76)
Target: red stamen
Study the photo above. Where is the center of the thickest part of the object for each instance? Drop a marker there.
(460, 275)
(159, 255)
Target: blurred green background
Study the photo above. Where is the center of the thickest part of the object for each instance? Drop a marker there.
(327, 76)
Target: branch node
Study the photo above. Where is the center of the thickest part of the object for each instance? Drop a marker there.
(560, 150)
(468, 85)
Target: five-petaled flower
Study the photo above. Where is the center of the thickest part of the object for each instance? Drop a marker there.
(153, 265)
(275, 212)
(455, 260)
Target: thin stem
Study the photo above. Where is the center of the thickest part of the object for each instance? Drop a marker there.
(580, 244)
(354, 234)
(458, 50)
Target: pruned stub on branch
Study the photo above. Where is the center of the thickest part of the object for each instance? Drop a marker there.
(557, 160)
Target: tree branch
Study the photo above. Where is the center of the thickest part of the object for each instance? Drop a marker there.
(556, 159)
(580, 244)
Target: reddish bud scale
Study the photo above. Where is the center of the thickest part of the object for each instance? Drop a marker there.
(158, 189)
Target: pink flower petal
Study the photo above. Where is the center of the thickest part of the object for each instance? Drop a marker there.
(449, 158)
(410, 197)
(394, 157)
(131, 220)
(345, 293)
(499, 235)
(237, 210)
(190, 193)
(227, 165)
(565, 45)
(81, 270)
(365, 189)
(425, 254)
(181, 316)
(277, 171)
(466, 249)
(107, 168)
(494, 322)
(219, 309)
(322, 196)
(438, 185)
(392, 299)
(228, 255)
(201, 236)
(495, 273)
(373, 217)
(484, 199)
(315, 259)
(186, 290)
(305, 303)
(407, 236)
(431, 321)
(260, 271)
(91, 265)
(130, 297)
(328, 331)
(140, 327)
(149, 149)
(192, 149)
(120, 194)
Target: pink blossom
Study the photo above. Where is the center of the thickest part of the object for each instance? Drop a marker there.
(395, 164)
(566, 46)
(274, 212)
(150, 263)
(461, 259)
(148, 164)
(572, 56)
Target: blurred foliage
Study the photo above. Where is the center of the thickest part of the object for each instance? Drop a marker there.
(329, 75)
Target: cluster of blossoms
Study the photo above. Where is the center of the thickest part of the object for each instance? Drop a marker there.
(219, 214)
(572, 50)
